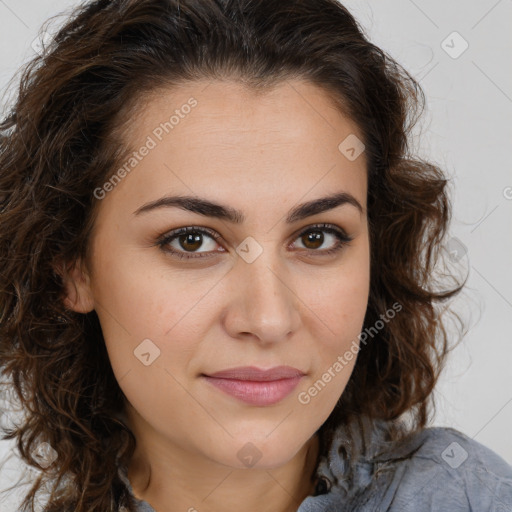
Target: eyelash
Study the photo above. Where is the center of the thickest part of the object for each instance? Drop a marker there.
(343, 239)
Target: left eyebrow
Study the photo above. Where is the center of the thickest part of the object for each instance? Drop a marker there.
(211, 209)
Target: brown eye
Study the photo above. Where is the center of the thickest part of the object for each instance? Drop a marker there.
(186, 242)
(190, 242)
(313, 239)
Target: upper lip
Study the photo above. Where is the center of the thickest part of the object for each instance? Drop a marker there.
(257, 374)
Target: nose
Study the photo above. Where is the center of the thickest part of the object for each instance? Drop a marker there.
(265, 306)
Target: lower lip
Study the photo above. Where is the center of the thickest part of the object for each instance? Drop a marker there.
(256, 392)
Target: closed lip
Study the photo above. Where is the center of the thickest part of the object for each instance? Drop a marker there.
(256, 374)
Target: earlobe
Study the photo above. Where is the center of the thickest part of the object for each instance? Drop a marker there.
(77, 290)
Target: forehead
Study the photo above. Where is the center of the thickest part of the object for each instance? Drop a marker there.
(226, 111)
(213, 138)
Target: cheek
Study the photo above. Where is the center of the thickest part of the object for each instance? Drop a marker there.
(134, 297)
(134, 304)
(156, 315)
(343, 313)
(148, 335)
(340, 304)
(345, 302)
(340, 300)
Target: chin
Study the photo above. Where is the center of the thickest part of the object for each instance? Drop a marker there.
(266, 453)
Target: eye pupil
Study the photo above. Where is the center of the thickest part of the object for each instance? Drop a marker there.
(316, 237)
(190, 238)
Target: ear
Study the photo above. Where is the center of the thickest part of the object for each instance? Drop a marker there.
(78, 294)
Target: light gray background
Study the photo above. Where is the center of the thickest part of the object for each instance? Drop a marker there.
(467, 130)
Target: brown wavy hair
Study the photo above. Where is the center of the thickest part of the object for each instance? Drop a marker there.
(58, 143)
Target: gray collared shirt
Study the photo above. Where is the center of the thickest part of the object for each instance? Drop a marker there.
(438, 469)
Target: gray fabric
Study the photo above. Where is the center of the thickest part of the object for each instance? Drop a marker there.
(437, 469)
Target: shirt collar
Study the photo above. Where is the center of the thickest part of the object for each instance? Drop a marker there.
(357, 448)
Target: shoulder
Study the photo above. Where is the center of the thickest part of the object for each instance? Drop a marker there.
(435, 468)
(450, 471)
(455, 449)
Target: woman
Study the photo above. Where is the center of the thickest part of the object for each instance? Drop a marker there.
(218, 255)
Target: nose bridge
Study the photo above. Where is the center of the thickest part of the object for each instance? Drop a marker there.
(266, 304)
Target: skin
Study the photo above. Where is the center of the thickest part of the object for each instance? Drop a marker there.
(261, 154)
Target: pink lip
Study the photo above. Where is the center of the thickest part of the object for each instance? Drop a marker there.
(256, 386)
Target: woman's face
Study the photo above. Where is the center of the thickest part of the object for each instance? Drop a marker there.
(251, 285)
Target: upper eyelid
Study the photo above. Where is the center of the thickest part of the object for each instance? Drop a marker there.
(190, 229)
